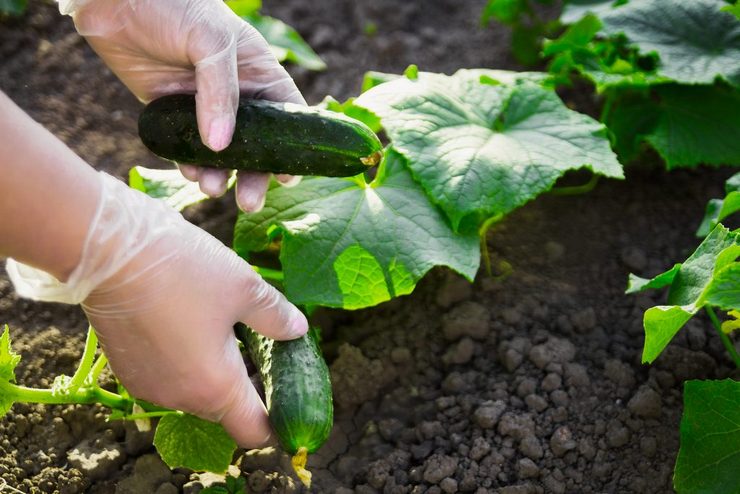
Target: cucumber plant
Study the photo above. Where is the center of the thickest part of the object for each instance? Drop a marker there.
(285, 42)
(666, 81)
(180, 439)
(353, 242)
(707, 281)
(528, 28)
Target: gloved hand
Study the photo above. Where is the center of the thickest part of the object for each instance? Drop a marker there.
(159, 47)
(163, 296)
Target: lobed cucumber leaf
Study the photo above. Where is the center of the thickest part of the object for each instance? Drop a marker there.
(184, 440)
(480, 149)
(350, 244)
(709, 276)
(677, 31)
(686, 125)
(709, 457)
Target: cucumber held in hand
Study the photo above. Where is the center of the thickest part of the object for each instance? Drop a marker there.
(297, 391)
(269, 137)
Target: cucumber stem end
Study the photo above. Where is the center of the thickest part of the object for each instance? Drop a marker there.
(299, 465)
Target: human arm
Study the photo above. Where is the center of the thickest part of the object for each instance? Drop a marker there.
(158, 47)
(162, 294)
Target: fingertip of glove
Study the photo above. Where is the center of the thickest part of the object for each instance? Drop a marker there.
(220, 133)
(213, 183)
(288, 180)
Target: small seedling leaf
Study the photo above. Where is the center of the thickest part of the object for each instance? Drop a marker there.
(661, 325)
(351, 110)
(187, 441)
(637, 284)
(286, 44)
(709, 457)
(724, 291)
(350, 244)
(705, 278)
(8, 362)
(719, 209)
(8, 358)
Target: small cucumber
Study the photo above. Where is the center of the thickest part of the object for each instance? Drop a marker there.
(269, 137)
(297, 391)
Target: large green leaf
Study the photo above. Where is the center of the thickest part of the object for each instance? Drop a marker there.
(709, 458)
(285, 42)
(350, 244)
(687, 125)
(481, 149)
(697, 124)
(187, 441)
(695, 40)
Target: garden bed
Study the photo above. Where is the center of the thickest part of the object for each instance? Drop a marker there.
(526, 382)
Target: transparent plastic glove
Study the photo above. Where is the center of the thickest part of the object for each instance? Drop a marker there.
(163, 296)
(159, 47)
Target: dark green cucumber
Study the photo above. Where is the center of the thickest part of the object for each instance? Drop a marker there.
(269, 137)
(297, 387)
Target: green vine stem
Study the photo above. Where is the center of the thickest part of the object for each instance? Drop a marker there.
(722, 336)
(576, 190)
(84, 396)
(86, 362)
(482, 234)
(149, 415)
(97, 369)
(269, 274)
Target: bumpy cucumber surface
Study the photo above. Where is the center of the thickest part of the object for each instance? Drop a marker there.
(269, 137)
(297, 388)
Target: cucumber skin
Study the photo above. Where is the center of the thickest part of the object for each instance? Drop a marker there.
(297, 387)
(269, 137)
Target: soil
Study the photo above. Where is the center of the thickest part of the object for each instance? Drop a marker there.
(529, 382)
